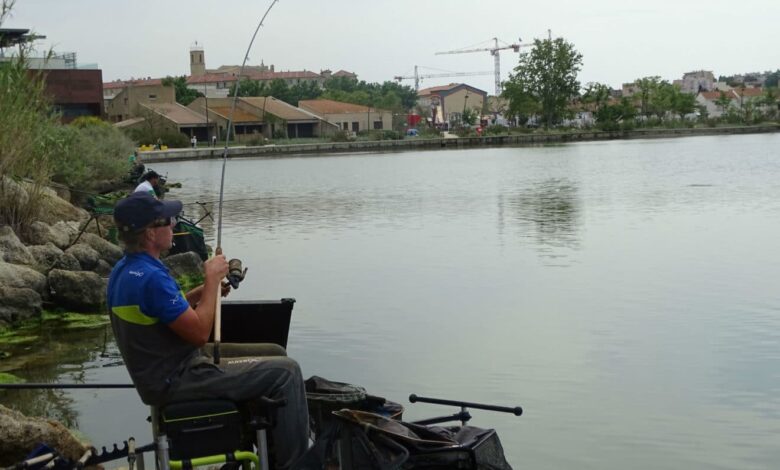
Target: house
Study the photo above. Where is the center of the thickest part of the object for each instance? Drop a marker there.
(73, 91)
(216, 83)
(256, 116)
(171, 116)
(737, 98)
(694, 82)
(447, 103)
(122, 98)
(349, 116)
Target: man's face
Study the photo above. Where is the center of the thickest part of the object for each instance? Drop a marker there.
(162, 234)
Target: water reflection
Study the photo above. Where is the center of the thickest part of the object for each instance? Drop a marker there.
(548, 212)
(59, 355)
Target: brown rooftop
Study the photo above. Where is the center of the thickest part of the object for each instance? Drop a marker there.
(177, 113)
(324, 106)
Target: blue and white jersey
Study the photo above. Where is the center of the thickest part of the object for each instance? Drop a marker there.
(143, 299)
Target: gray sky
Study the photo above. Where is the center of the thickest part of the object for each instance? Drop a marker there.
(620, 40)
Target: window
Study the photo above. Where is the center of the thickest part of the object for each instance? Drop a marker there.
(345, 126)
(355, 126)
(152, 97)
(378, 125)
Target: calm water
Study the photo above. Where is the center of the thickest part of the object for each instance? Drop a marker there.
(624, 293)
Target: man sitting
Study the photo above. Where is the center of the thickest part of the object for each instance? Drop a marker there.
(160, 331)
(148, 185)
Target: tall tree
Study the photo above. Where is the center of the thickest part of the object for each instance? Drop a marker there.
(647, 87)
(548, 76)
(682, 103)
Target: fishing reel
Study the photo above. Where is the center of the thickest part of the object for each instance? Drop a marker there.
(236, 272)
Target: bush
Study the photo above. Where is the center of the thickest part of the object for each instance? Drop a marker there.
(28, 138)
(465, 132)
(341, 136)
(496, 129)
(280, 134)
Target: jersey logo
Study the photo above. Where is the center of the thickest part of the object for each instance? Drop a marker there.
(174, 300)
(136, 273)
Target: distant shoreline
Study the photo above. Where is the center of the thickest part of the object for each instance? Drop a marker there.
(188, 154)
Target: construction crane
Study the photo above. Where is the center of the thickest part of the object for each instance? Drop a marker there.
(494, 52)
(417, 77)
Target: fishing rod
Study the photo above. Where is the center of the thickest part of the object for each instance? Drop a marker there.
(218, 250)
(48, 386)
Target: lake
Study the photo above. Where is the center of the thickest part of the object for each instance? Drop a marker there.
(623, 293)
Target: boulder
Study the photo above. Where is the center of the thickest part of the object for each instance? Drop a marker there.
(18, 304)
(22, 277)
(46, 256)
(105, 249)
(68, 262)
(42, 233)
(88, 258)
(182, 264)
(69, 228)
(83, 291)
(55, 209)
(13, 251)
(20, 434)
(103, 269)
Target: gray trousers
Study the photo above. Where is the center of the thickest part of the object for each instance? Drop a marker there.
(248, 371)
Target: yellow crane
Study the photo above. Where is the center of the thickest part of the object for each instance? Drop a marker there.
(496, 58)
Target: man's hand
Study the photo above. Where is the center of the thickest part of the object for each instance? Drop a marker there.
(215, 269)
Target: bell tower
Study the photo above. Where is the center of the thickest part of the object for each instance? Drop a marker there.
(197, 61)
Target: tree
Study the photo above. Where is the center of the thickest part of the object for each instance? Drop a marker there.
(772, 79)
(248, 87)
(184, 95)
(548, 76)
(723, 102)
(647, 87)
(596, 93)
(682, 103)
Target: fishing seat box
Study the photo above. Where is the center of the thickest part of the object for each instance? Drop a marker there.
(201, 428)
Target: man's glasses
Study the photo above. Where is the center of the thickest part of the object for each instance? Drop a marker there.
(164, 222)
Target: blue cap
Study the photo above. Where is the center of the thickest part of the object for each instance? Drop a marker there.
(140, 209)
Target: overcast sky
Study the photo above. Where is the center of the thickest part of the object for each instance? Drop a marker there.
(620, 40)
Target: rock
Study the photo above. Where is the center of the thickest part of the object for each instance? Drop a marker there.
(18, 304)
(46, 256)
(71, 229)
(188, 264)
(83, 291)
(55, 209)
(88, 258)
(103, 269)
(42, 233)
(13, 251)
(67, 262)
(20, 434)
(106, 250)
(22, 277)
(12, 192)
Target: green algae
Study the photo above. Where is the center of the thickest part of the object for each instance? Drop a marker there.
(6, 378)
(188, 282)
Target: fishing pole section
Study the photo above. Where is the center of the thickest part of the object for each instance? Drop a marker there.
(218, 250)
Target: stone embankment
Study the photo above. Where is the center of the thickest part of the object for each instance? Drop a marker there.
(58, 265)
(441, 143)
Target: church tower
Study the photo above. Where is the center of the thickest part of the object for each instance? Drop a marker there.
(197, 62)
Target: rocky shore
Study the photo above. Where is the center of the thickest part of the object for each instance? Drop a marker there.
(55, 265)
